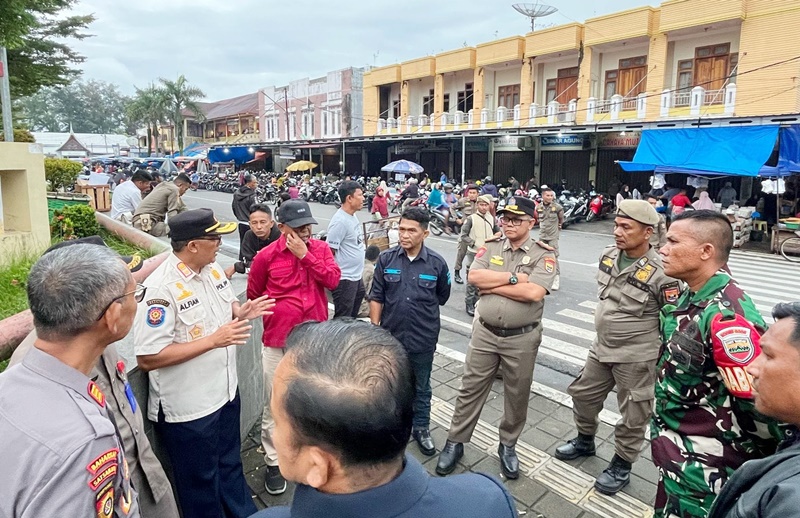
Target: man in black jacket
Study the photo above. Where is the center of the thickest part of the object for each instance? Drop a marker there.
(262, 231)
(243, 199)
(771, 486)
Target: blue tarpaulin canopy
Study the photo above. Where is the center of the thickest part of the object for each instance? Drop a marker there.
(739, 151)
(788, 154)
(238, 154)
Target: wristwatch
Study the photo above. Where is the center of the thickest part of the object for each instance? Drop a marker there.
(513, 280)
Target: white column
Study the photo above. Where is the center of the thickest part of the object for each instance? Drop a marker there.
(573, 109)
(591, 106)
(552, 112)
(616, 106)
(381, 124)
(484, 117)
(471, 118)
(698, 97)
(666, 97)
(500, 115)
(517, 113)
(730, 99)
(533, 111)
(641, 106)
(409, 123)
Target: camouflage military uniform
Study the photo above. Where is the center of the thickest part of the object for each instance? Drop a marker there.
(701, 433)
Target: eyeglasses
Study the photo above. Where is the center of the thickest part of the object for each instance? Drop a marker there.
(514, 222)
(138, 296)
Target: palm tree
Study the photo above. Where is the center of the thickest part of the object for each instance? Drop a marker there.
(149, 107)
(182, 96)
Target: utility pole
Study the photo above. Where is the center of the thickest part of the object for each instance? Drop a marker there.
(286, 111)
(5, 97)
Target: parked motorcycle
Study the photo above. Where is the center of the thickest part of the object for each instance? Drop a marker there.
(599, 207)
(575, 208)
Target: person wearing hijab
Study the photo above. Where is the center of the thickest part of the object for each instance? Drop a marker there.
(704, 202)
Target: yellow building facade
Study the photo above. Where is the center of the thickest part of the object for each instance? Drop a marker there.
(682, 60)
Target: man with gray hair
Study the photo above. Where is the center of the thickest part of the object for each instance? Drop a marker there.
(61, 454)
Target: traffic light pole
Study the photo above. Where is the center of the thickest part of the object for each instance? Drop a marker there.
(5, 97)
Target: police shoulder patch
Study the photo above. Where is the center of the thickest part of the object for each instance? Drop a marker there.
(156, 315)
(95, 393)
(109, 457)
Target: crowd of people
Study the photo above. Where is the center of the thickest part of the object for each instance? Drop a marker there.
(685, 348)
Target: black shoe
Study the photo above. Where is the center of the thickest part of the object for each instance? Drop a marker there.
(616, 476)
(451, 453)
(274, 481)
(425, 441)
(457, 277)
(470, 310)
(509, 462)
(580, 446)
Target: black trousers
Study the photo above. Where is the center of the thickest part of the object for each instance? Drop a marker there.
(242, 231)
(347, 298)
(207, 464)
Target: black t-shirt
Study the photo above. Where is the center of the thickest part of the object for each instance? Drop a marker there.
(251, 244)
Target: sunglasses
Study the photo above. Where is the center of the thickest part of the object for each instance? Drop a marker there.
(138, 296)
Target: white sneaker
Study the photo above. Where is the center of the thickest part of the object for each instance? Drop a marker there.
(556, 283)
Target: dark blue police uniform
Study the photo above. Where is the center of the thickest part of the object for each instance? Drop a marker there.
(411, 293)
(413, 494)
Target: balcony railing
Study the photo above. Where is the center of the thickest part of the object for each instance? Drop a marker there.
(698, 98)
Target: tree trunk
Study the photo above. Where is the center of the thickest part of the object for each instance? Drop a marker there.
(13, 331)
(149, 140)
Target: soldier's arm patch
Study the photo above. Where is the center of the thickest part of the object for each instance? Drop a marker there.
(109, 457)
(670, 292)
(549, 264)
(105, 475)
(736, 344)
(156, 315)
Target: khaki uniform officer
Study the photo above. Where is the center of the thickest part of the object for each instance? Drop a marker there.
(468, 205)
(513, 275)
(163, 202)
(632, 287)
(550, 216)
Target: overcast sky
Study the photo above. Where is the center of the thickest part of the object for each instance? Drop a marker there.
(235, 47)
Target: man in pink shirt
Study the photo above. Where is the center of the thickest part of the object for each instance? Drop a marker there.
(294, 270)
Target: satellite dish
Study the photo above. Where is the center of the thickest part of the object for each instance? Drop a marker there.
(534, 11)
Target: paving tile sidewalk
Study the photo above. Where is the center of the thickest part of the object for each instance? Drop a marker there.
(546, 487)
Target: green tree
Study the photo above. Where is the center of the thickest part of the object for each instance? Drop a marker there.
(88, 106)
(149, 107)
(36, 34)
(20, 135)
(60, 172)
(181, 96)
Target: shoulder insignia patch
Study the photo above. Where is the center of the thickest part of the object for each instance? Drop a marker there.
(185, 270)
(108, 473)
(607, 265)
(480, 252)
(549, 264)
(215, 274)
(671, 292)
(104, 502)
(737, 343)
(644, 273)
(497, 259)
(160, 302)
(95, 393)
(109, 457)
(156, 315)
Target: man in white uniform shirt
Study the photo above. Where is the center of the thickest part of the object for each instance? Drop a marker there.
(185, 335)
(128, 195)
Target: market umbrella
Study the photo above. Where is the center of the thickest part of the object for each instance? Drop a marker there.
(403, 166)
(202, 168)
(301, 165)
(167, 167)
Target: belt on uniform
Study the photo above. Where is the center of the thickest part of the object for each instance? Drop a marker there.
(505, 333)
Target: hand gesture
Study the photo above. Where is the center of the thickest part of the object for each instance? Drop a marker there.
(235, 332)
(296, 245)
(259, 307)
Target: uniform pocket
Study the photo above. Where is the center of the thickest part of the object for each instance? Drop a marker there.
(640, 406)
(633, 300)
(391, 277)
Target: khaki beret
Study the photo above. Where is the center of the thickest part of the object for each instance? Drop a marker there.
(638, 210)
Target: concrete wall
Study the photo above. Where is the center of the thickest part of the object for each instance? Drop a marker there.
(24, 224)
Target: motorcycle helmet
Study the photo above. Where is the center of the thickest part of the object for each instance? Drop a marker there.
(488, 179)
(448, 187)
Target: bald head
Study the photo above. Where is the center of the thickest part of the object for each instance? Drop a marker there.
(710, 227)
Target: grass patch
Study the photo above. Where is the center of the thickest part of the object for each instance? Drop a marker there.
(13, 281)
(123, 247)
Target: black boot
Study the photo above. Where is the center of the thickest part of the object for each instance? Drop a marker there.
(457, 277)
(470, 310)
(580, 446)
(616, 476)
(509, 463)
(451, 453)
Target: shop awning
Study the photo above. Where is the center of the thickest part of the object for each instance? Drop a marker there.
(788, 154)
(739, 151)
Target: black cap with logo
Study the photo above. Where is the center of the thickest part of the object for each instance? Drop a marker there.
(197, 223)
(520, 206)
(295, 213)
